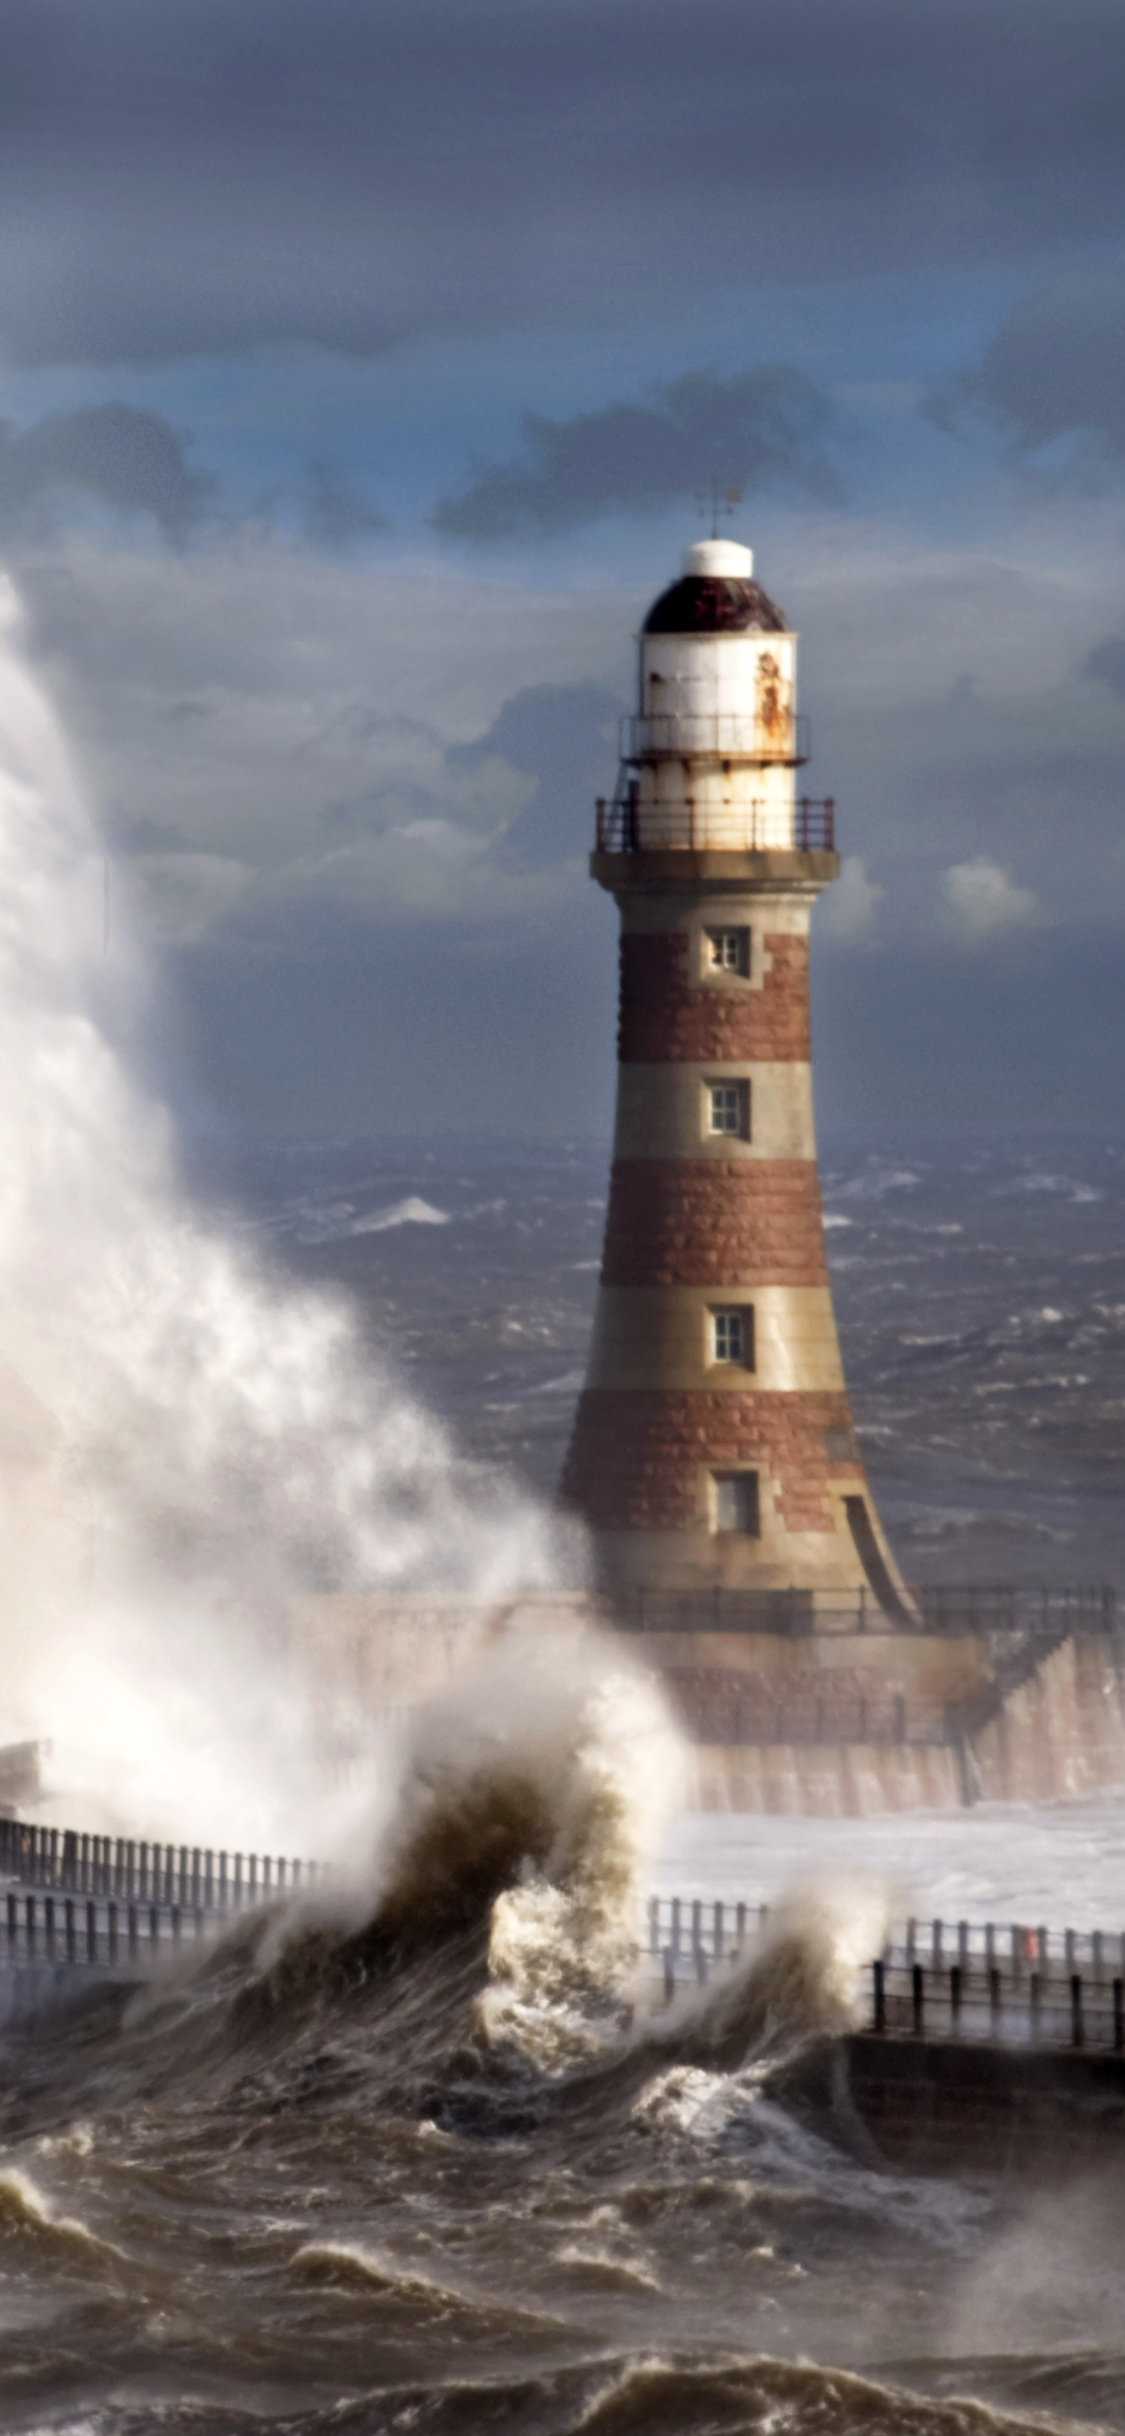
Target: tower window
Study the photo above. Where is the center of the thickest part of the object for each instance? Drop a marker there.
(734, 1502)
(728, 951)
(728, 1109)
(732, 1336)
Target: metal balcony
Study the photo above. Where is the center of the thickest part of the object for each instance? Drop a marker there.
(627, 827)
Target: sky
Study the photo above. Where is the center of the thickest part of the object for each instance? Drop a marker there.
(363, 367)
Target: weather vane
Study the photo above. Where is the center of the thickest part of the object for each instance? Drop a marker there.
(721, 502)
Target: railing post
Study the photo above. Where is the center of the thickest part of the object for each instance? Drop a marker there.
(1036, 1993)
(111, 1930)
(675, 1924)
(1077, 2026)
(918, 1996)
(1119, 2014)
(955, 1986)
(994, 1999)
(91, 1930)
(740, 1924)
(669, 1975)
(30, 1918)
(71, 1946)
(49, 1925)
(717, 1932)
(880, 2009)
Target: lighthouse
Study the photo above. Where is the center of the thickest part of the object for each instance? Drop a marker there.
(713, 1446)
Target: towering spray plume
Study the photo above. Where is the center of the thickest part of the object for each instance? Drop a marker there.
(185, 1444)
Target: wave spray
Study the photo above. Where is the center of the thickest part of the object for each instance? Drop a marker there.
(187, 1445)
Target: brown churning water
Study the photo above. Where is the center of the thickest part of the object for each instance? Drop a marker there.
(424, 2160)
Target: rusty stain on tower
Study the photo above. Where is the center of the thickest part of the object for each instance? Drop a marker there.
(713, 1444)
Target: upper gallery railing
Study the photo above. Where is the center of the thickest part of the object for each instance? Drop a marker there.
(627, 827)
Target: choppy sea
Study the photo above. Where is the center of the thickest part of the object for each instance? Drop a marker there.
(425, 2161)
(979, 1288)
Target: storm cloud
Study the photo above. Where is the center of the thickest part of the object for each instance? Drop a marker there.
(123, 456)
(755, 430)
(1055, 365)
(209, 175)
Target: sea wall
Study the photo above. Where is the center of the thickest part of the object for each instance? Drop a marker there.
(843, 1780)
(1059, 1734)
(825, 1725)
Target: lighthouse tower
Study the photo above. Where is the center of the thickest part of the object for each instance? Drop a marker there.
(713, 1445)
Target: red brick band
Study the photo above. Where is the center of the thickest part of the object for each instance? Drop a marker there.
(714, 1222)
(666, 1013)
(635, 1455)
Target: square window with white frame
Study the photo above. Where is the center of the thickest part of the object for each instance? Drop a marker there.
(734, 1503)
(728, 1109)
(728, 952)
(732, 1335)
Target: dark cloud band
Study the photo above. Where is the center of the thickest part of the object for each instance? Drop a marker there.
(757, 429)
(213, 175)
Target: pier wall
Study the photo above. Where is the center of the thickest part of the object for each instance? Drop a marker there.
(821, 1723)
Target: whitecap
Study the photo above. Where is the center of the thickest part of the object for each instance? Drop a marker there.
(24, 2209)
(567, 1385)
(411, 1212)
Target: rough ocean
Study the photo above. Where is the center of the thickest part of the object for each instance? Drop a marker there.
(979, 1288)
(422, 2158)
